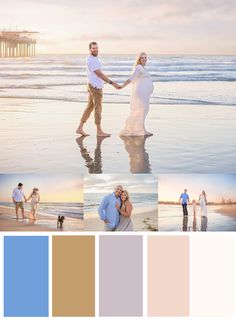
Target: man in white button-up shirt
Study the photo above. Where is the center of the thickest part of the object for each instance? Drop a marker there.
(96, 78)
(18, 198)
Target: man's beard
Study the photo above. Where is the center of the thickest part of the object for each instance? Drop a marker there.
(94, 54)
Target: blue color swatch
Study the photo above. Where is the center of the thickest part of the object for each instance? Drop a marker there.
(25, 276)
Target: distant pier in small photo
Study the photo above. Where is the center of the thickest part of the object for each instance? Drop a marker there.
(17, 43)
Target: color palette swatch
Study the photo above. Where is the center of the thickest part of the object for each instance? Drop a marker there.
(168, 276)
(120, 276)
(73, 276)
(26, 276)
(182, 276)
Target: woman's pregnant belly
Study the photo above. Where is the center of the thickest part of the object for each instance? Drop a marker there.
(144, 87)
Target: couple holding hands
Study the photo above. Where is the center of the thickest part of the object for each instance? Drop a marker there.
(139, 104)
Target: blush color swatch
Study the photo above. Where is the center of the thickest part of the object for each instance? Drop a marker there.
(121, 275)
(73, 275)
(168, 276)
(25, 276)
(212, 278)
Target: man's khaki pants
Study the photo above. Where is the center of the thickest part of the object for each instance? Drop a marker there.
(94, 103)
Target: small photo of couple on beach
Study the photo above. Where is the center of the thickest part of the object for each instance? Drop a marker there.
(115, 203)
(55, 204)
(197, 202)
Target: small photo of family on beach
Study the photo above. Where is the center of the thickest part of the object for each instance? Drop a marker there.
(113, 203)
(207, 202)
(56, 205)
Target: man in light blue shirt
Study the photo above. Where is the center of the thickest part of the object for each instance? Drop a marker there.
(108, 211)
(184, 200)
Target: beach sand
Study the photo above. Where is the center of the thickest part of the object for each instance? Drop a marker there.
(39, 136)
(43, 223)
(143, 219)
(228, 210)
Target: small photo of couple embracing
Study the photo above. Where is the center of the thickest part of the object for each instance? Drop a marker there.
(115, 210)
(112, 203)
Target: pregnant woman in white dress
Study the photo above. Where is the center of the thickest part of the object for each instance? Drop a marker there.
(139, 104)
(203, 203)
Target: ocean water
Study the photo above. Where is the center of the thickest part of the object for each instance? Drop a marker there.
(170, 218)
(194, 80)
(139, 200)
(67, 209)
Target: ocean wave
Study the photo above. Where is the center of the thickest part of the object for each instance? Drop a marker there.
(154, 100)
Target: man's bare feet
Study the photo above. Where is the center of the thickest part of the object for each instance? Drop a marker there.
(81, 132)
(103, 134)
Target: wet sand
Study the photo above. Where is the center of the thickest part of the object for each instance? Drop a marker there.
(39, 136)
(170, 218)
(143, 219)
(44, 222)
(228, 210)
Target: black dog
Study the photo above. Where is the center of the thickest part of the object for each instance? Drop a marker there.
(60, 221)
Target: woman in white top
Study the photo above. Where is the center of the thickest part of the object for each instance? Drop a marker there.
(34, 202)
(203, 203)
(139, 104)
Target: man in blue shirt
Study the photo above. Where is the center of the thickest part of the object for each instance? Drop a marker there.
(108, 211)
(184, 200)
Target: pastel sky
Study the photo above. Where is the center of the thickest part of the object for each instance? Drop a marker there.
(170, 186)
(52, 188)
(105, 183)
(127, 26)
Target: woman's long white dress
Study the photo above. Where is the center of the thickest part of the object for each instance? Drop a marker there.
(34, 202)
(139, 104)
(202, 202)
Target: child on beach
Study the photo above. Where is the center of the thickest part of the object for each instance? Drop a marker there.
(194, 204)
(35, 199)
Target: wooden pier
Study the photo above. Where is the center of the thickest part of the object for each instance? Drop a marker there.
(17, 43)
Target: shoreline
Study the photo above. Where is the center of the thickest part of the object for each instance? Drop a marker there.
(44, 222)
(227, 210)
(143, 219)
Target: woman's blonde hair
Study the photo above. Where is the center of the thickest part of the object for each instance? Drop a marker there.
(126, 193)
(138, 59)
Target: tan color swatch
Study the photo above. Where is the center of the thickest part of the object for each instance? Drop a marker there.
(73, 276)
(168, 276)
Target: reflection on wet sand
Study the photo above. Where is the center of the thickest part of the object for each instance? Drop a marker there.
(204, 221)
(185, 223)
(138, 156)
(194, 226)
(195, 223)
(93, 164)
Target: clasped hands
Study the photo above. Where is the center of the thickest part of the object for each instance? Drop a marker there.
(117, 86)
